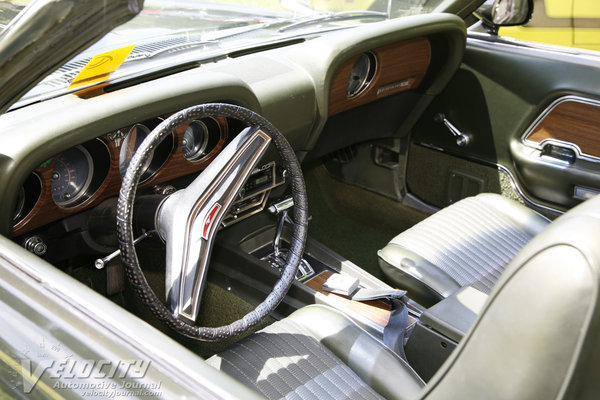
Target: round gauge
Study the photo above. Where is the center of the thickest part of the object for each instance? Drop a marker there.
(195, 140)
(361, 75)
(200, 138)
(133, 140)
(18, 214)
(71, 176)
(27, 198)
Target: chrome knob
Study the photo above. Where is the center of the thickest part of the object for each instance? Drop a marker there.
(36, 245)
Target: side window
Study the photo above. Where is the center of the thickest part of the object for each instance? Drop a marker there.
(572, 23)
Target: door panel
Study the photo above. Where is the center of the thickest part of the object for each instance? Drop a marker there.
(530, 112)
(563, 142)
(572, 120)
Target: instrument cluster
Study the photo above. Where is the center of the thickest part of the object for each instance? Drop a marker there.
(84, 175)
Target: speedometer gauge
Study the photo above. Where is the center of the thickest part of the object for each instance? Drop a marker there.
(71, 176)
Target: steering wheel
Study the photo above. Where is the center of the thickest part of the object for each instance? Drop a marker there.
(188, 220)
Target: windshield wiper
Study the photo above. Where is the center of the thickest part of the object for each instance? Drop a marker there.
(335, 17)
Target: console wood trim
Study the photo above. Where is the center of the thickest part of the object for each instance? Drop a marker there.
(375, 310)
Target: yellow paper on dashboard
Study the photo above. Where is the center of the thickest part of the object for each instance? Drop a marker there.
(101, 66)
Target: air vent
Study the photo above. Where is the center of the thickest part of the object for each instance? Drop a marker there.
(343, 156)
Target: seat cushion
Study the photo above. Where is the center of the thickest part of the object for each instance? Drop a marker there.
(318, 353)
(466, 244)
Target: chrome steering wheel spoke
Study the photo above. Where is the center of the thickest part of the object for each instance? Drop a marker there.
(189, 219)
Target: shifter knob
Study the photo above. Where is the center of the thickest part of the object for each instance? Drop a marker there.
(282, 205)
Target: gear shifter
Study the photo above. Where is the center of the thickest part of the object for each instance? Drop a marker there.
(278, 256)
(281, 208)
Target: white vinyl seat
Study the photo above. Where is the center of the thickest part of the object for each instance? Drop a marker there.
(468, 243)
(536, 337)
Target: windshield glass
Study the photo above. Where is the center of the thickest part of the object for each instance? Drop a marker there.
(175, 33)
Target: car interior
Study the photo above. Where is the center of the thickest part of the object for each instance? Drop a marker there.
(320, 178)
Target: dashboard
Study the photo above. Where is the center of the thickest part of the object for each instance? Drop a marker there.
(78, 147)
(84, 175)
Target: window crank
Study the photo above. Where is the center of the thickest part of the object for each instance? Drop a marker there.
(462, 139)
(101, 262)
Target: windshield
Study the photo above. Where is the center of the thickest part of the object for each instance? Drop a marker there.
(170, 34)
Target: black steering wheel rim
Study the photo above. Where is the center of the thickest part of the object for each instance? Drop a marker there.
(125, 213)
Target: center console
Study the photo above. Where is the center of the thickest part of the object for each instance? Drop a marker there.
(244, 262)
(247, 261)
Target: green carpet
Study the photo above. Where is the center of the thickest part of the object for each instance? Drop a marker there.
(218, 306)
(352, 221)
(428, 175)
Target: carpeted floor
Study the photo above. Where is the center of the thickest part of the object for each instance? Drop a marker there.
(352, 221)
(218, 306)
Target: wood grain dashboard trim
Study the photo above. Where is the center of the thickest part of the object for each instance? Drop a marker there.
(400, 67)
(46, 210)
(572, 120)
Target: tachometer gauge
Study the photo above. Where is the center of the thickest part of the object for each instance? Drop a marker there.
(132, 142)
(71, 176)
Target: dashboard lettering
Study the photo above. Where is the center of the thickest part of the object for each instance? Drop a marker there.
(393, 86)
(46, 163)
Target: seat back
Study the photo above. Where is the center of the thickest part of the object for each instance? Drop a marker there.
(538, 337)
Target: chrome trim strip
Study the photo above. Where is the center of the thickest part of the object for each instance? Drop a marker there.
(485, 39)
(522, 194)
(539, 146)
(188, 220)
